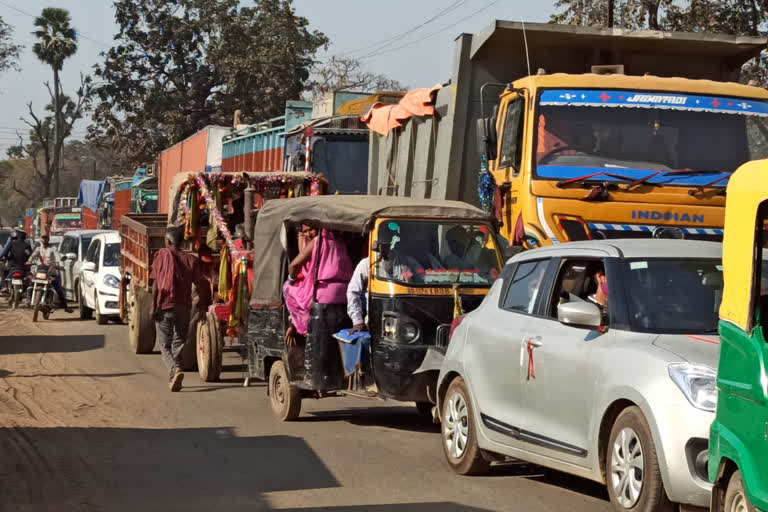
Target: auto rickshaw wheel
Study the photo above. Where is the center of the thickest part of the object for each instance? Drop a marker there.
(425, 409)
(736, 499)
(141, 325)
(284, 397)
(208, 344)
(457, 428)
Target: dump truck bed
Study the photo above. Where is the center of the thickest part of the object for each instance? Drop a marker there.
(141, 236)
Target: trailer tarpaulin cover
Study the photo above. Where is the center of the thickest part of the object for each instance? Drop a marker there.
(382, 118)
(336, 212)
(90, 194)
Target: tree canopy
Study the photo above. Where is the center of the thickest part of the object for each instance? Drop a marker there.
(179, 66)
(9, 52)
(737, 17)
(347, 73)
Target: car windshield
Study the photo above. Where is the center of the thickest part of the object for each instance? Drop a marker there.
(436, 253)
(632, 134)
(674, 296)
(4, 236)
(112, 255)
(86, 243)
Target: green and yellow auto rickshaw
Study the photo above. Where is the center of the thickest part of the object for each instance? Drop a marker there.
(428, 261)
(738, 444)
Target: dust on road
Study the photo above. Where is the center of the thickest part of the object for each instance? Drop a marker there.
(86, 425)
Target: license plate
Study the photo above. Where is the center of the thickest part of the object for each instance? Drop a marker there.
(41, 282)
(41, 276)
(17, 282)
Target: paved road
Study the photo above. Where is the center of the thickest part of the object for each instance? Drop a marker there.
(85, 425)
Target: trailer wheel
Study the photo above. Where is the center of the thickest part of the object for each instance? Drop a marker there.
(189, 352)
(284, 397)
(209, 348)
(141, 325)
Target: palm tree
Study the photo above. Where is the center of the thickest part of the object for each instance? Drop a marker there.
(56, 42)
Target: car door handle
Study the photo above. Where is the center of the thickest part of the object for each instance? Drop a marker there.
(536, 342)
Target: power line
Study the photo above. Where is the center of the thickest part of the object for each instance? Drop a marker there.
(386, 42)
(79, 34)
(406, 45)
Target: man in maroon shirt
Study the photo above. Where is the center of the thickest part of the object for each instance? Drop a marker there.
(173, 273)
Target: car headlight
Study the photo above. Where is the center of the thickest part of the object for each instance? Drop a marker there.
(111, 281)
(698, 384)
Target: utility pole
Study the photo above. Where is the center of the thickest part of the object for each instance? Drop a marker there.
(610, 13)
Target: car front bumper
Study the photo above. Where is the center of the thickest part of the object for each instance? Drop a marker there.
(108, 301)
(683, 432)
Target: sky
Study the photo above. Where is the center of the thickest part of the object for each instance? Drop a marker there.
(411, 41)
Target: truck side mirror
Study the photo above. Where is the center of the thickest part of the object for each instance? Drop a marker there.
(487, 136)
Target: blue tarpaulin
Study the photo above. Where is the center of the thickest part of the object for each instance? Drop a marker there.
(90, 193)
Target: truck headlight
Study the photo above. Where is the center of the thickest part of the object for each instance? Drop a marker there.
(698, 384)
(111, 281)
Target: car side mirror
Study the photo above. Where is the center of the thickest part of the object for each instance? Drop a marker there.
(579, 314)
(89, 266)
(70, 256)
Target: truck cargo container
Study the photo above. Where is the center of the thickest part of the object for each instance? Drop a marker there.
(259, 147)
(200, 152)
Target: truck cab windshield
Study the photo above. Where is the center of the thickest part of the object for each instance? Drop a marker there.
(436, 253)
(581, 132)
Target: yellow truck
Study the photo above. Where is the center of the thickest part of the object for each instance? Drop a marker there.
(573, 133)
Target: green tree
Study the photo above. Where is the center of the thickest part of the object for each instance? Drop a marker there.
(736, 17)
(56, 42)
(9, 52)
(179, 66)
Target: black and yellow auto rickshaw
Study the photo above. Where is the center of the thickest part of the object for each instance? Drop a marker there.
(429, 261)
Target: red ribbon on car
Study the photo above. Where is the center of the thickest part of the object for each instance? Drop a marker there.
(529, 347)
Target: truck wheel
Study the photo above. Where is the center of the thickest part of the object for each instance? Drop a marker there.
(36, 305)
(85, 311)
(141, 325)
(736, 499)
(284, 397)
(209, 349)
(459, 433)
(632, 467)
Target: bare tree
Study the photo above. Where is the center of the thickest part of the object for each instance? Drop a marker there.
(347, 73)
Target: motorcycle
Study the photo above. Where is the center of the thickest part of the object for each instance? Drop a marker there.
(43, 294)
(16, 284)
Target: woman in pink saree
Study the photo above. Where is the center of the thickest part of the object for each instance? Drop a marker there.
(324, 256)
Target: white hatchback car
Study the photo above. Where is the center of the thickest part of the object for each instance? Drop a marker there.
(100, 283)
(596, 359)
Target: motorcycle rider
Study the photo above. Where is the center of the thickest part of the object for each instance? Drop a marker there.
(16, 253)
(49, 256)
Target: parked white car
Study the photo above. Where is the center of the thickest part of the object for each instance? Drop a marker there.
(72, 250)
(593, 358)
(101, 278)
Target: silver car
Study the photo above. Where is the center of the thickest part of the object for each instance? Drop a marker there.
(596, 359)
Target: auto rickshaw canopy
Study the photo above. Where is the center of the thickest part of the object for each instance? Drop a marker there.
(339, 213)
(747, 190)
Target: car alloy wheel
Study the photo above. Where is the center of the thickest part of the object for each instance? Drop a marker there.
(627, 468)
(456, 430)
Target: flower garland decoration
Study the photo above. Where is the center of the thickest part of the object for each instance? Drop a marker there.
(210, 202)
